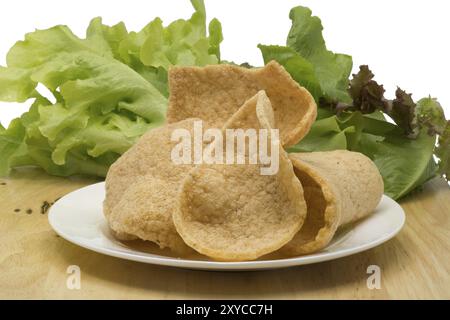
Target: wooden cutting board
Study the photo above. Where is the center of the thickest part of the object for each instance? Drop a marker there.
(34, 261)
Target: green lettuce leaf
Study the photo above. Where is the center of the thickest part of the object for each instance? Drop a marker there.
(383, 142)
(15, 84)
(183, 42)
(430, 115)
(307, 58)
(399, 135)
(152, 50)
(109, 38)
(443, 151)
(108, 90)
(387, 146)
(332, 69)
(401, 174)
(12, 144)
(300, 69)
(325, 135)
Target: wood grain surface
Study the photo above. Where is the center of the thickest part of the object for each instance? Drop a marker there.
(34, 260)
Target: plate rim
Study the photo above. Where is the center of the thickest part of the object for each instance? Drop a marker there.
(221, 265)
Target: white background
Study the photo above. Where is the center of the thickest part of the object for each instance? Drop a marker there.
(406, 43)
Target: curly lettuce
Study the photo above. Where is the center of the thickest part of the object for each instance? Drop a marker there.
(399, 135)
(324, 73)
(106, 90)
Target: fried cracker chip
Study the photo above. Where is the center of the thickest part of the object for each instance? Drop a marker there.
(214, 93)
(340, 187)
(145, 211)
(151, 155)
(232, 212)
(141, 187)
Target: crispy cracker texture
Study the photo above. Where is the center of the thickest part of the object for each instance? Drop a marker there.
(214, 93)
(145, 211)
(151, 155)
(232, 212)
(141, 187)
(340, 187)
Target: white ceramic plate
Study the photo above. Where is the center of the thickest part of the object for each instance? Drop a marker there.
(78, 218)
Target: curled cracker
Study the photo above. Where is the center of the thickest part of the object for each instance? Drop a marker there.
(232, 212)
(141, 187)
(151, 155)
(145, 211)
(340, 187)
(214, 93)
